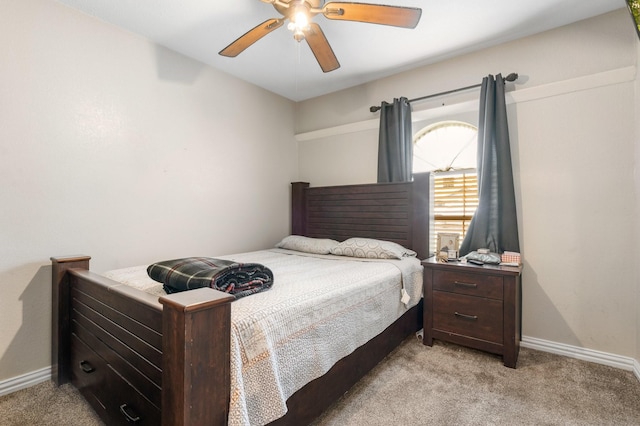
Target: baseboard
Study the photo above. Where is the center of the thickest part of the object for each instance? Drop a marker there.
(612, 360)
(25, 381)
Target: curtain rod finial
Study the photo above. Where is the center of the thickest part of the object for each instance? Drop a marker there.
(374, 108)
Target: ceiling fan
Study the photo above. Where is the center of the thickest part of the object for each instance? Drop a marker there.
(300, 14)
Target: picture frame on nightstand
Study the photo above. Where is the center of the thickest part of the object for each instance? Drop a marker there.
(447, 242)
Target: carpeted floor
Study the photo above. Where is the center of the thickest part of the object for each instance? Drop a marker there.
(451, 385)
(418, 385)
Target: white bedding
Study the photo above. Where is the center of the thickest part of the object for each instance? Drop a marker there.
(319, 310)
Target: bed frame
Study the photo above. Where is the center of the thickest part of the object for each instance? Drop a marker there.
(143, 360)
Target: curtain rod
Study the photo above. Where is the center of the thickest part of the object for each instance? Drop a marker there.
(511, 77)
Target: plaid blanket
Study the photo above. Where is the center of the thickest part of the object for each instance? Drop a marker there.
(238, 279)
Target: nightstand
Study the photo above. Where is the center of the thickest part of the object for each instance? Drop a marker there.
(474, 306)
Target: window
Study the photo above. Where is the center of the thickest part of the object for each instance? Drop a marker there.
(448, 149)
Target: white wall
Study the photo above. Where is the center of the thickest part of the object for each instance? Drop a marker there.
(114, 147)
(571, 117)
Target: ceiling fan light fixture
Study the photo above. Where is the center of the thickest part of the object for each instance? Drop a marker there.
(299, 22)
(298, 35)
(301, 19)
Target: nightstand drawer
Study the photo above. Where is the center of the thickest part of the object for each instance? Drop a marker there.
(468, 316)
(469, 283)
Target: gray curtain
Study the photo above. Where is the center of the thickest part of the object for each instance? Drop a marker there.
(395, 143)
(494, 225)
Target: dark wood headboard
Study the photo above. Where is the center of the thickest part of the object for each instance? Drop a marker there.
(397, 212)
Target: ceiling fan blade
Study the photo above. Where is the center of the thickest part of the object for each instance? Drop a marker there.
(397, 16)
(321, 48)
(250, 37)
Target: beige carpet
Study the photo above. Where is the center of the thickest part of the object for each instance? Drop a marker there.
(418, 385)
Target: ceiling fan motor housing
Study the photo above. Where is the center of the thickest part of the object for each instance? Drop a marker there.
(284, 6)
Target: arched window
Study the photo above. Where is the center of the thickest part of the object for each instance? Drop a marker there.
(448, 149)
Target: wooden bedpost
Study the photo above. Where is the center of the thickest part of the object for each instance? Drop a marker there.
(196, 383)
(299, 208)
(61, 315)
(421, 190)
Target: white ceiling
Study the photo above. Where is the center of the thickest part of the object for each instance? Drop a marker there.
(201, 28)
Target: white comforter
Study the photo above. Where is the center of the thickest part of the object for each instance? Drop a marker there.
(319, 310)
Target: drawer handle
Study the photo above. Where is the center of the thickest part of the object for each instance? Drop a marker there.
(87, 367)
(463, 284)
(467, 317)
(131, 418)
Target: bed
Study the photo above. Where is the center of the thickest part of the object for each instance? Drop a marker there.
(143, 359)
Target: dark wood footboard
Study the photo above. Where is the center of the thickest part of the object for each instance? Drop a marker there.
(137, 359)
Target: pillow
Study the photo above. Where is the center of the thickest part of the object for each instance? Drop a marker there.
(307, 244)
(371, 249)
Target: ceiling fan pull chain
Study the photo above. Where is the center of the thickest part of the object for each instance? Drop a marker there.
(297, 66)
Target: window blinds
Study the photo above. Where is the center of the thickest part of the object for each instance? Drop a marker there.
(455, 201)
